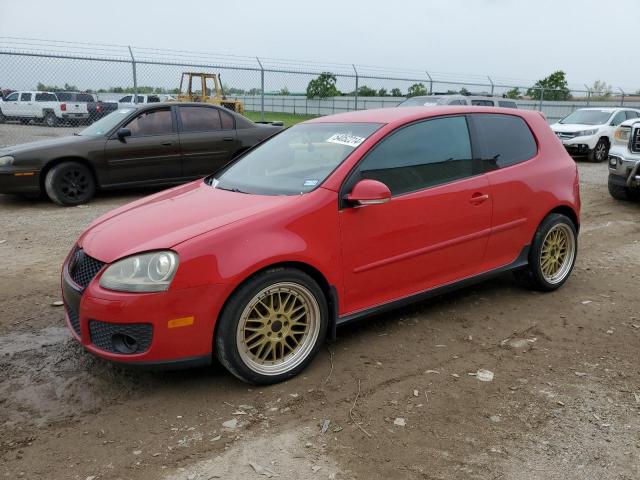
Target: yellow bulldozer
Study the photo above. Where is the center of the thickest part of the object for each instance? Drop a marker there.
(206, 88)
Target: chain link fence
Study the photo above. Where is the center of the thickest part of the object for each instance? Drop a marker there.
(269, 89)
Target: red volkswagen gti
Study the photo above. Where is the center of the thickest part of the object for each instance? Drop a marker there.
(330, 221)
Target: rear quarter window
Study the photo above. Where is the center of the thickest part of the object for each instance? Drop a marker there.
(507, 104)
(503, 140)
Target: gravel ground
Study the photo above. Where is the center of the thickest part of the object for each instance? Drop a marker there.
(16, 133)
(564, 402)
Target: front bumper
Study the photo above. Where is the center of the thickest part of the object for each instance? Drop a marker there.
(124, 312)
(17, 181)
(625, 166)
(579, 145)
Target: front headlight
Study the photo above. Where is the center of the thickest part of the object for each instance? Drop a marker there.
(6, 161)
(586, 133)
(147, 272)
(621, 135)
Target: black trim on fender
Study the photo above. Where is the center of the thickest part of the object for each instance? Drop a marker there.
(333, 312)
(521, 261)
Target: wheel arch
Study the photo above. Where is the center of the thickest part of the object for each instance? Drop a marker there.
(329, 291)
(52, 163)
(569, 212)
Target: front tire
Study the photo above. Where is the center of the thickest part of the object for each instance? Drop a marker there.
(600, 152)
(3, 119)
(272, 326)
(70, 183)
(552, 255)
(620, 192)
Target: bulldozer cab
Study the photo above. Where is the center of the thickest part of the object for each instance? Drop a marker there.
(206, 88)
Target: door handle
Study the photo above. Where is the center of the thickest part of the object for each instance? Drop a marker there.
(478, 198)
(166, 144)
(228, 139)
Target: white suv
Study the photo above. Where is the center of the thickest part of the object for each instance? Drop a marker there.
(589, 131)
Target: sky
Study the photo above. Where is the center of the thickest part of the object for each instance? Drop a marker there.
(506, 39)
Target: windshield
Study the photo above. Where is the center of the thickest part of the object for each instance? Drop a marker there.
(295, 161)
(421, 102)
(587, 117)
(104, 125)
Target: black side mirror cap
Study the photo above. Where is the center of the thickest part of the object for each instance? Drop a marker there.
(123, 133)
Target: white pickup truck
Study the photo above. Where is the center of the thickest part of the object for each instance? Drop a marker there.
(128, 100)
(42, 107)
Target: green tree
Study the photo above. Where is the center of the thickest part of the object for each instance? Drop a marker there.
(323, 87)
(395, 92)
(283, 91)
(464, 91)
(365, 91)
(555, 87)
(416, 89)
(514, 93)
(382, 92)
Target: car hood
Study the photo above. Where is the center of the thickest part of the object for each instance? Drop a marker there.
(171, 217)
(61, 142)
(572, 127)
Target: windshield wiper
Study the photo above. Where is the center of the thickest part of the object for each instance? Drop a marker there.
(234, 189)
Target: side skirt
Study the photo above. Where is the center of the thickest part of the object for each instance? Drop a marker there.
(521, 261)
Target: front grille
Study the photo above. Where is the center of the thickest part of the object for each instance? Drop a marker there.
(635, 140)
(74, 318)
(83, 268)
(565, 135)
(102, 335)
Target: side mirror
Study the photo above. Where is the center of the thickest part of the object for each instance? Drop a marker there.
(123, 133)
(369, 192)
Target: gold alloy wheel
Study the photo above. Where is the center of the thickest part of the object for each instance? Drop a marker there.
(278, 328)
(557, 253)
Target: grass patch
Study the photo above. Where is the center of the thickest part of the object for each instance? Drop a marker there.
(288, 118)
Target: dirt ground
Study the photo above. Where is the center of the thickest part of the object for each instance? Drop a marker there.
(396, 389)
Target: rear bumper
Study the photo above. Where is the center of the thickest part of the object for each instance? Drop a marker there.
(20, 182)
(121, 313)
(72, 116)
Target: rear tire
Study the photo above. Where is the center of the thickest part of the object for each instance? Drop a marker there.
(50, 119)
(600, 152)
(70, 183)
(272, 326)
(622, 193)
(552, 255)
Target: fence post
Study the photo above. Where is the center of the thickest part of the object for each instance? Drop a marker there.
(135, 77)
(491, 82)
(261, 90)
(430, 83)
(588, 95)
(356, 99)
(622, 99)
(541, 97)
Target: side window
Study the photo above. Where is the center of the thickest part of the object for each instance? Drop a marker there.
(199, 119)
(507, 104)
(25, 97)
(126, 99)
(153, 99)
(12, 98)
(482, 103)
(457, 102)
(421, 155)
(154, 122)
(140, 99)
(618, 119)
(631, 114)
(503, 139)
(46, 97)
(227, 120)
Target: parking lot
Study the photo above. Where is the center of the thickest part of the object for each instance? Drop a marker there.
(395, 389)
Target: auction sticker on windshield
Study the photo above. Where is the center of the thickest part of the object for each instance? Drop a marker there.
(346, 139)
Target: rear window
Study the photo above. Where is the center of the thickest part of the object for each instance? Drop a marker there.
(504, 140)
(46, 97)
(84, 97)
(482, 103)
(64, 96)
(507, 104)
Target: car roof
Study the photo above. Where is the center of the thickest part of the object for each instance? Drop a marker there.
(605, 109)
(401, 115)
